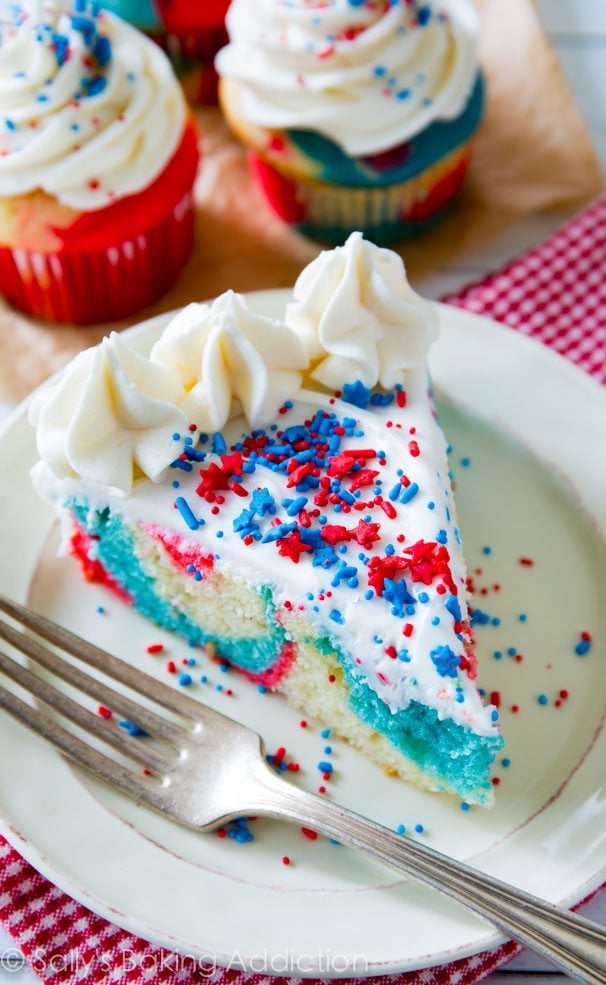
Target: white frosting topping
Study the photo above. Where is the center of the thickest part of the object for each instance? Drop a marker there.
(110, 410)
(369, 76)
(90, 109)
(229, 358)
(358, 317)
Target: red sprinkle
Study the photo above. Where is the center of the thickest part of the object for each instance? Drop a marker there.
(279, 755)
(221, 833)
(155, 648)
(515, 709)
(312, 835)
(526, 562)
(285, 860)
(495, 698)
(170, 666)
(104, 712)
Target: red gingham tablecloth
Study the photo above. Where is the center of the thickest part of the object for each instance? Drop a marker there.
(556, 293)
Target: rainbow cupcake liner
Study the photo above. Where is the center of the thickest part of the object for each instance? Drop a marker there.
(385, 214)
(105, 284)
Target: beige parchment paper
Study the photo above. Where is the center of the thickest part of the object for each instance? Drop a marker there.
(533, 153)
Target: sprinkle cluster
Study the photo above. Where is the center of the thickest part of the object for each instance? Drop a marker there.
(342, 508)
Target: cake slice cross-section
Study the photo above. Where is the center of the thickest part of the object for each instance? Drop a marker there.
(281, 490)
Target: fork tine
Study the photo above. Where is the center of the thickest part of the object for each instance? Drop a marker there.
(89, 685)
(147, 791)
(166, 697)
(143, 754)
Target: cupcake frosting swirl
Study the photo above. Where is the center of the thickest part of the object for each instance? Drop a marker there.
(367, 75)
(90, 110)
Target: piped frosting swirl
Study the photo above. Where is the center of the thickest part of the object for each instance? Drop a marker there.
(367, 75)
(358, 317)
(90, 109)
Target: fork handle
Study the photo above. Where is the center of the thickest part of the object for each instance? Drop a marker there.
(573, 943)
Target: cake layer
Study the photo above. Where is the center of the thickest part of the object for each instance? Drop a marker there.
(278, 648)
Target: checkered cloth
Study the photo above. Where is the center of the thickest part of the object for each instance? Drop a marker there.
(556, 293)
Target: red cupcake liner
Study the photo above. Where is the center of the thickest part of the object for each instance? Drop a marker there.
(101, 285)
(385, 212)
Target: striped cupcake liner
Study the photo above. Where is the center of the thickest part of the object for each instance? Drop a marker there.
(330, 212)
(102, 285)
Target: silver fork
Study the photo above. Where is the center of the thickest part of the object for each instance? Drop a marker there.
(203, 769)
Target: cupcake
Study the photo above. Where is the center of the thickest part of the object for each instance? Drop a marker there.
(192, 31)
(98, 158)
(357, 115)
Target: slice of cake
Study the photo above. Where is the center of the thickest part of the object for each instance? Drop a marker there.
(281, 490)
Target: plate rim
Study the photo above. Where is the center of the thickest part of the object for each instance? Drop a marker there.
(49, 869)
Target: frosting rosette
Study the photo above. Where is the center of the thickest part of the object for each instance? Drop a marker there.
(111, 411)
(359, 318)
(229, 358)
(369, 76)
(90, 110)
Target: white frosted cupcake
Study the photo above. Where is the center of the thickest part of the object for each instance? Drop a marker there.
(357, 115)
(98, 157)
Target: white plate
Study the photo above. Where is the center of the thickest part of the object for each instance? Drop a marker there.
(532, 426)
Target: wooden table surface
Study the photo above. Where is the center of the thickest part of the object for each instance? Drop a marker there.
(578, 31)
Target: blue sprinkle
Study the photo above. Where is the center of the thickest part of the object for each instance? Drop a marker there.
(218, 444)
(543, 699)
(505, 762)
(198, 576)
(409, 493)
(328, 750)
(465, 806)
(494, 715)
(357, 394)
(401, 829)
(522, 617)
(466, 462)
(431, 505)
(261, 689)
(185, 680)
(419, 829)
(204, 679)
(337, 616)
(325, 733)
(132, 728)
(487, 550)
(582, 647)
(186, 513)
(297, 505)
(325, 767)
(445, 660)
